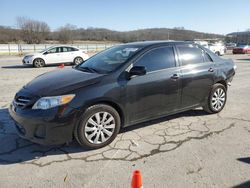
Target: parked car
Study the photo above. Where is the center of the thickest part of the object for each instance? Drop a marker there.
(241, 49)
(218, 48)
(202, 43)
(56, 55)
(230, 46)
(92, 101)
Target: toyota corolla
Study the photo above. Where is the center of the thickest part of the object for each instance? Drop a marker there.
(92, 101)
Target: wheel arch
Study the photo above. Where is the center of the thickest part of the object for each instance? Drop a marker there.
(38, 58)
(111, 103)
(217, 52)
(223, 82)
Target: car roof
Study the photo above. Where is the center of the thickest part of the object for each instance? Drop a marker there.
(54, 46)
(156, 42)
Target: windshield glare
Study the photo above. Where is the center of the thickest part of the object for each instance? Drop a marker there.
(110, 59)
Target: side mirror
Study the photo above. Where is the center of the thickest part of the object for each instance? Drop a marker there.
(45, 53)
(137, 71)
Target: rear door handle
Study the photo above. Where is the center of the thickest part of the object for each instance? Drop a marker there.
(175, 76)
(210, 69)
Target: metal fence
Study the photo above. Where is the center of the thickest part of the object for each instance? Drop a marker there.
(20, 49)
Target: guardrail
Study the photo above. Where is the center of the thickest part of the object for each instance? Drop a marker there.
(20, 49)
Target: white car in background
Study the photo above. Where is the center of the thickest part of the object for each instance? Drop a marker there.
(56, 55)
(218, 48)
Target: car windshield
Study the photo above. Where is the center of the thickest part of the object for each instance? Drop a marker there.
(242, 45)
(110, 59)
(45, 50)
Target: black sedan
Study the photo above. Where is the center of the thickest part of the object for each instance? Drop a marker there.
(121, 86)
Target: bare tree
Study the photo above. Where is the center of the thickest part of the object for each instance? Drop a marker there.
(65, 33)
(32, 31)
(8, 34)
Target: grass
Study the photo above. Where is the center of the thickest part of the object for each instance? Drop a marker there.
(11, 53)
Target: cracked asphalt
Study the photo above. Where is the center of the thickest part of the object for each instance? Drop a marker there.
(191, 149)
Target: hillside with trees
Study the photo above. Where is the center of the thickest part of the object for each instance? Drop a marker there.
(33, 31)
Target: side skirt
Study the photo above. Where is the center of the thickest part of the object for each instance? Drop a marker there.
(161, 116)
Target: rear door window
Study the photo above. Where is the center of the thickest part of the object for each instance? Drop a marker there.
(190, 54)
(64, 49)
(157, 59)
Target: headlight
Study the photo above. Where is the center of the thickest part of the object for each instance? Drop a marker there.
(50, 102)
(235, 67)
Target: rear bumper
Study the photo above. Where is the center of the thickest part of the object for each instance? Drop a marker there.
(45, 127)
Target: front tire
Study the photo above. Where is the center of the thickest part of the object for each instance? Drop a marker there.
(98, 126)
(217, 99)
(38, 63)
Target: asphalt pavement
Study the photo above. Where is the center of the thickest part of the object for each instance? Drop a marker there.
(191, 149)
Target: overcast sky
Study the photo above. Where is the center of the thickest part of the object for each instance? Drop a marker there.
(213, 16)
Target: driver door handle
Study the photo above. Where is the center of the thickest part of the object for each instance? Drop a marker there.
(210, 69)
(175, 77)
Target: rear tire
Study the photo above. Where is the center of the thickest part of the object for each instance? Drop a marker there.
(98, 127)
(217, 53)
(38, 63)
(216, 100)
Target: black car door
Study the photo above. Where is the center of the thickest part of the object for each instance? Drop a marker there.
(197, 70)
(157, 92)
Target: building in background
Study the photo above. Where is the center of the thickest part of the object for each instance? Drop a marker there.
(239, 37)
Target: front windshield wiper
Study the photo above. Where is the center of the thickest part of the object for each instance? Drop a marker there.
(87, 69)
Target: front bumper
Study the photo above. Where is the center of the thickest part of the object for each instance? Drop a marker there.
(46, 127)
(27, 61)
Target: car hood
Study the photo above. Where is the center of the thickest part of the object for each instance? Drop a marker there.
(61, 81)
(32, 54)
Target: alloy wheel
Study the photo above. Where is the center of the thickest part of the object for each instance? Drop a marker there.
(218, 99)
(39, 63)
(78, 60)
(99, 128)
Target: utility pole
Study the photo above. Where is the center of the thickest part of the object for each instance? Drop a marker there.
(237, 39)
